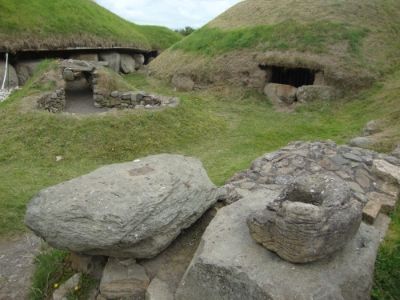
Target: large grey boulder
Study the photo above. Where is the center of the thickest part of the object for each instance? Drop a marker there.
(139, 60)
(314, 217)
(11, 79)
(230, 265)
(26, 69)
(309, 93)
(362, 142)
(113, 59)
(280, 93)
(133, 209)
(127, 64)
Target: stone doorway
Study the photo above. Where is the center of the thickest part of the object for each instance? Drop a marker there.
(295, 77)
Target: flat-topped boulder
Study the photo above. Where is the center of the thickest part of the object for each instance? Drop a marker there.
(230, 265)
(133, 209)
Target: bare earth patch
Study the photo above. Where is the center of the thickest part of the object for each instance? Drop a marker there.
(17, 257)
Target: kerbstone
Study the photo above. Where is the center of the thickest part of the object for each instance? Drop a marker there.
(133, 209)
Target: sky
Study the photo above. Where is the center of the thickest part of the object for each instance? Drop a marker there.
(174, 14)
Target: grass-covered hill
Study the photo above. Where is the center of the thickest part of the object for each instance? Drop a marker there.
(55, 24)
(352, 41)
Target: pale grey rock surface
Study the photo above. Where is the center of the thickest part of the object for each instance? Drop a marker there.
(123, 279)
(158, 290)
(127, 64)
(133, 209)
(12, 78)
(230, 265)
(280, 93)
(25, 69)
(361, 142)
(396, 152)
(113, 59)
(62, 292)
(314, 217)
(309, 93)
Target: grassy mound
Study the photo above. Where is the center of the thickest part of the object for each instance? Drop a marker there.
(43, 24)
(349, 40)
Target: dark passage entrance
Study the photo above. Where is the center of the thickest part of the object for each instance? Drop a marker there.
(79, 97)
(296, 77)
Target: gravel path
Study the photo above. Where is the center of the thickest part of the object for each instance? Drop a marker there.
(17, 265)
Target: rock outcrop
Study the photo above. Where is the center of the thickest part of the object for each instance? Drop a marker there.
(128, 64)
(314, 217)
(113, 59)
(133, 209)
(280, 93)
(12, 78)
(230, 265)
(309, 93)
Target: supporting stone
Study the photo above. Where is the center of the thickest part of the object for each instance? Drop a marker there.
(124, 279)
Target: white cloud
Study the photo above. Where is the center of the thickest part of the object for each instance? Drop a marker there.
(171, 13)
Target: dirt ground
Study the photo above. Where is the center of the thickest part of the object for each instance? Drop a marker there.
(17, 256)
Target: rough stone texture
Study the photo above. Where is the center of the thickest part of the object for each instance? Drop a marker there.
(298, 159)
(91, 265)
(133, 209)
(128, 64)
(53, 101)
(230, 265)
(62, 292)
(396, 152)
(372, 127)
(25, 69)
(386, 170)
(313, 218)
(12, 78)
(113, 59)
(123, 279)
(361, 142)
(139, 60)
(309, 93)
(182, 82)
(158, 290)
(17, 258)
(280, 93)
(137, 100)
(86, 56)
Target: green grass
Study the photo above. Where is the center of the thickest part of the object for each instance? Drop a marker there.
(225, 128)
(69, 21)
(387, 268)
(289, 35)
(50, 270)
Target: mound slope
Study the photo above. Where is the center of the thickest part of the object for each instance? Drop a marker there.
(351, 42)
(58, 24)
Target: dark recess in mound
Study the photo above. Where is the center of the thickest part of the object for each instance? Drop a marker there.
(296, 77)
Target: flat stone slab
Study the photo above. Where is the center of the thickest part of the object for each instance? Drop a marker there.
(230, 265)
(132, 210)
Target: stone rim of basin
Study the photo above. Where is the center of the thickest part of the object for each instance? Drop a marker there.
(311, 219)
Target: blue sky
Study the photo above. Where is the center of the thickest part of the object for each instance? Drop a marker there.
(171, 13)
